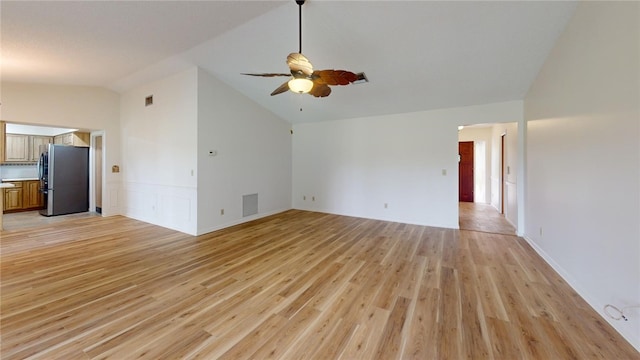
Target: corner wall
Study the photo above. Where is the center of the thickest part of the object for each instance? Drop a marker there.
(583, 158)
(159, 147)
(251, 155)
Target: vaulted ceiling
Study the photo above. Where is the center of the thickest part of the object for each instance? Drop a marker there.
(418, 55)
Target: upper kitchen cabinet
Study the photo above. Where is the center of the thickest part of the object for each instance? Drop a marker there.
(36, 141)
(24, 148)
(16, 148)
(75, 138)
(20, 143)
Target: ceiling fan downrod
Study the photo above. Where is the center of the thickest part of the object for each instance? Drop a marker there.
(300, 3)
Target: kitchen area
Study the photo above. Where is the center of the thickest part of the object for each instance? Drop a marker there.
(44, 171)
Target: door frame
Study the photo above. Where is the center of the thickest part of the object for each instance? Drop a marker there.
(93, 173)
(502, 174)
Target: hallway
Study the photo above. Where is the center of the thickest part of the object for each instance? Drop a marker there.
(483, 217)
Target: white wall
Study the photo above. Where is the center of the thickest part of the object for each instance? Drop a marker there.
(253, 155)
(354, 166)
(583, 179)
(81, 107)
(159, 147)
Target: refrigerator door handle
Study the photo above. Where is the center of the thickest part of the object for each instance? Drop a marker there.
(39, 169)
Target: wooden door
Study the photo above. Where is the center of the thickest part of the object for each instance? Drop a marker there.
(465, 171)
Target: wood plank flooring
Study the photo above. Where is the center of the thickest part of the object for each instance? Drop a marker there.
(297, 285)
(483, 217)
(32, 219)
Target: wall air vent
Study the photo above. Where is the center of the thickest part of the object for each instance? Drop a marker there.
(362, 78)
(249, 205)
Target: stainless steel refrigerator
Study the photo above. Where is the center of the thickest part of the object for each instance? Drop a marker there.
(64, 179)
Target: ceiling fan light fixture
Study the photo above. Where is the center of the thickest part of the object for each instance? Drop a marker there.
(305, 80)
(300, 85)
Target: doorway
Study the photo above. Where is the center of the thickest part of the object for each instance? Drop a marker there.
(466, 181)
(97, 172)
(502, 178)
(495, 155)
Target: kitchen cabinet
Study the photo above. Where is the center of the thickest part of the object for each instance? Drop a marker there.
(13, 197)
(3, 131)
(24, 148)
(76, 138)
(36, 141)
(16, 148)
(32, 198)
(25, 195)
(63, 139)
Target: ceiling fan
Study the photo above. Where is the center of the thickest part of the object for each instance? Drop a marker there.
(306, 80)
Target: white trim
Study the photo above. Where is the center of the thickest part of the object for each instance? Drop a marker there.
(92, 170)
(240, 221)
(575, 285)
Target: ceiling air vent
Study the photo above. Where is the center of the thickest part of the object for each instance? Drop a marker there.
(362, 78)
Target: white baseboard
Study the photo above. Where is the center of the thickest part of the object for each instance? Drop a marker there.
(575, 285)
(239, 221)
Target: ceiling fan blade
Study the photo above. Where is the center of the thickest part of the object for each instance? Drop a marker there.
(335, 77)
(282, 88)
(267, 74)
(298, 62)
(320, 90)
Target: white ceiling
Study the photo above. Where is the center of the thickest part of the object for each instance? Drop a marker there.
(418, 55)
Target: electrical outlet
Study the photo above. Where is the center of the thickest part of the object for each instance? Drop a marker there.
(221, 211)
(386, 205)
(444, 172)
(313, 198)
(304, 197)
(540, 231)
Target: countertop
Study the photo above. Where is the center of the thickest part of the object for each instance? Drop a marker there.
(6, 186)
(20, 179)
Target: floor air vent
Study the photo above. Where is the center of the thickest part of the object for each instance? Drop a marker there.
(249, 204)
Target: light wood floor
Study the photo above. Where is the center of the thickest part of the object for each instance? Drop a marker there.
(32, 219)
(483, 217)
(294, 285)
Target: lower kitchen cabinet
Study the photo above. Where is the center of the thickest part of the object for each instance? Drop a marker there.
(25, 195)
(32, 197)
(13, 197)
